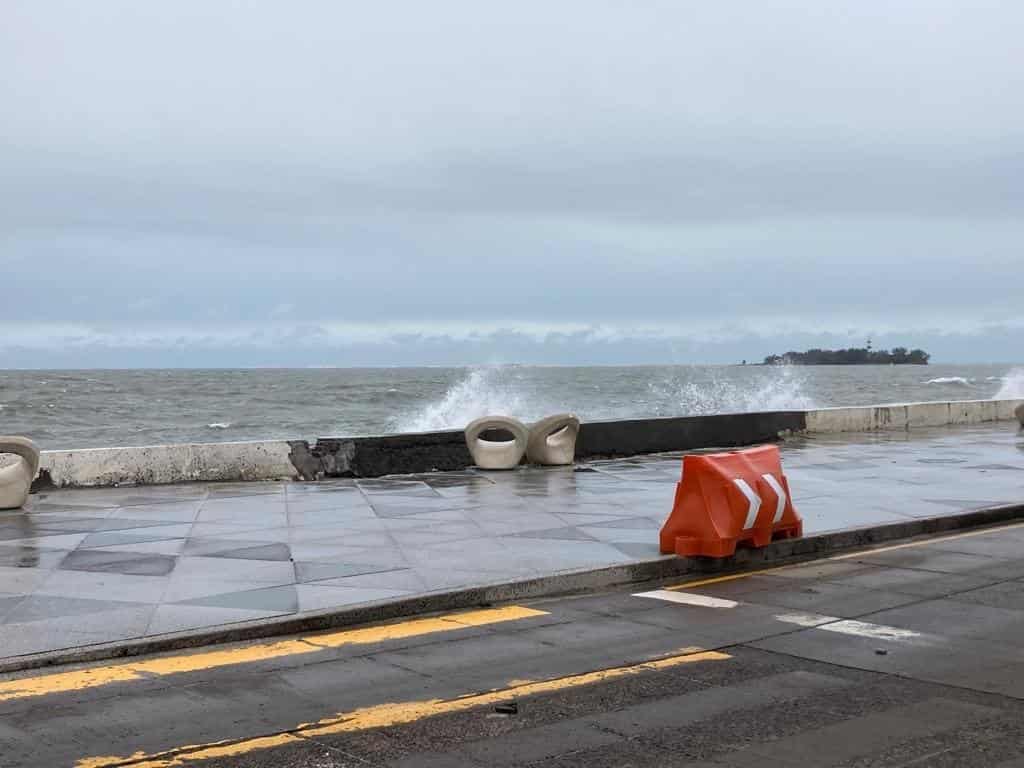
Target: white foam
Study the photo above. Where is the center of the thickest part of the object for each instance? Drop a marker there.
(219, 425)
(782, 389)
(484, 392)
(514, 391)
(1013, 386)
(951, 380)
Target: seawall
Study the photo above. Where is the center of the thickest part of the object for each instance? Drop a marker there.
(446, 450)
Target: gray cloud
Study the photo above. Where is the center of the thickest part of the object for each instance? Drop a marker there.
(587, 181)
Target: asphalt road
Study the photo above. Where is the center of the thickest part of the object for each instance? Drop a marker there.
(907, 655)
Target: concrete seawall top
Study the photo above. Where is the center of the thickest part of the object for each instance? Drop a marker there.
(443, 451)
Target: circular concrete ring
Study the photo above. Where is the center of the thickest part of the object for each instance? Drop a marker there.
(497, 454)
(553, 440)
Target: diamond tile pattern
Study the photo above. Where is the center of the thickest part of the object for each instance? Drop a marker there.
(88, 566)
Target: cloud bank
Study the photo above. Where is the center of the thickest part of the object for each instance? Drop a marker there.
(333, 183)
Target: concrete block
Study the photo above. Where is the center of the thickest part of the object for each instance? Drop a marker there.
(157, 464)
(909, 416)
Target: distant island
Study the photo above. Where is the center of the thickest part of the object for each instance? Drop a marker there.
(854, 356)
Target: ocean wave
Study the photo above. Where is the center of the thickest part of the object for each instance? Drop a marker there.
(483, 392)
(1013, 386)
(506, 391)
(959, 380)
(219, 425)
(782, 390)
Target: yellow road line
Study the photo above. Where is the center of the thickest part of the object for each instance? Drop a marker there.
(388, 715)
(729, 577)
(938, 539)
(93, 677)
(848, 556)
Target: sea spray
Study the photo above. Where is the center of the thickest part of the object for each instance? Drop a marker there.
(684, 391)
(483, 391)
(1013, 386)
(772, 389)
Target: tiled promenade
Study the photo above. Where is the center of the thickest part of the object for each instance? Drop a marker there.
(80, 567)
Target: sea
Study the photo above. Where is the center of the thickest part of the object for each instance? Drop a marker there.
(95, 408)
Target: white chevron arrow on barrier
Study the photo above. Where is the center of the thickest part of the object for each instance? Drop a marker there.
(780, 506)
(752, 498)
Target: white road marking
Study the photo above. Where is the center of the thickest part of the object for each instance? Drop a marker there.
(805, 619)
(776, 486)
(688, 598)
(849, 627)
(752, 498)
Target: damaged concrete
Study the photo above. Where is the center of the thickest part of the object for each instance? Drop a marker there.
(159, 464)
(391, 454)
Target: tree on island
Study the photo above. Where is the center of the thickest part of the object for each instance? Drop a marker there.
(853, 356)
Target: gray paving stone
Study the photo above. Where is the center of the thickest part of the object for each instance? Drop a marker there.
(40, 607)
(320, 571)
(283, 599)
(360, 540)
(118, 562)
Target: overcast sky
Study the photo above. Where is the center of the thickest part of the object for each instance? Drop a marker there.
(334, 183)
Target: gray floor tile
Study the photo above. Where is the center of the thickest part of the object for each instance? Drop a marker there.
(181, 588)
(107, 538)
(160, 547)
(30, 556)
(315, 597)
(282, 599)
(42, 607)
(179, 618)
(569, 533)
(402, 580)
(239, 549)
(118, 562)
(227, 569)
(319, 571)
(104, 586)
(8, 603)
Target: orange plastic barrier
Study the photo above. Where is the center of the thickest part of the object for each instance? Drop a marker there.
(724, 499)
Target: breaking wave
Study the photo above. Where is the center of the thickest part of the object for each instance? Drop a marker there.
(483, 392)
(781, 390)
(518, 392)
(960, 380)
(1013, 386)
(219, 425)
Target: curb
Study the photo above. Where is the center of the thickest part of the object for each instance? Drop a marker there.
(564, 583)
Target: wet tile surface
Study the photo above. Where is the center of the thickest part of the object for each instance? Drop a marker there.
(89, 566)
